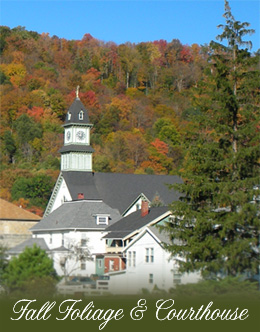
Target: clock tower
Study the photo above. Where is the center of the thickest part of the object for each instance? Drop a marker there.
(76, 153)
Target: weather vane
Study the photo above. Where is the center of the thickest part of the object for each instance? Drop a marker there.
(77, 92)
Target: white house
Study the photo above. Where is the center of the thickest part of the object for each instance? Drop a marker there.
(148, 265)
(73, 233)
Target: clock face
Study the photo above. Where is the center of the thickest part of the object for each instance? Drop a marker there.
(68, 135)
(80, 135)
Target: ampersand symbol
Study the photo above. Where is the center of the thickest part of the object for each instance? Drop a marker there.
(138, 312)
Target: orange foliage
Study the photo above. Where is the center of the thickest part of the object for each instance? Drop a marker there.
(36, 113)
(160, 146)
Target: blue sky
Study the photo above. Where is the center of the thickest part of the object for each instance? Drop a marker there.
(190, 21)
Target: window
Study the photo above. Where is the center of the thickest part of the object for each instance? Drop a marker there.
(131, 258)
(69, 116)
(150, 278)
(149, 255)
(83, 242)
(102, 220)
(83, 266)
(81, 115)
(111, 265)
(177, 277)
(134, 258)
(62, 239)
(99, 263)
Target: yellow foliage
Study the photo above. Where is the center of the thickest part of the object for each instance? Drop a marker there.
(37, 144)
(15, 72)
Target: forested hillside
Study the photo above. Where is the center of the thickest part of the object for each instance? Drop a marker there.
(140, 99)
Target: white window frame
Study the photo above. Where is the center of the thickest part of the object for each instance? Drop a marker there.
(149, 255)
(111, 265)
(83, 266)
(129, 258)
(81, 115)
(134, 259)
(105, 219)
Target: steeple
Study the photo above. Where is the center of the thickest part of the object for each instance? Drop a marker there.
(76, 153)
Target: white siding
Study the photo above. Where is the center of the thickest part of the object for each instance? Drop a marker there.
(136, 206)
(67, 238)
(160, 273)
(62, 195)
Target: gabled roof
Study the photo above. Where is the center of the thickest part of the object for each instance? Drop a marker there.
(72, 116)
(9, 211)
(29, 243)
(121, 190)
(159, 236)
(77, 215)
(134, 222)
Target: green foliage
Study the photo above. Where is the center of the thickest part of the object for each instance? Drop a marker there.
(3, 261)
(226, 288)
(217, 219)
(27, 129)
(9, 144)
(30, 272)
(36, 189)
(170, 135)
(101, 164)
(3, 78)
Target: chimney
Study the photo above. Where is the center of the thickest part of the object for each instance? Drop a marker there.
(80, 196)
(144, 208)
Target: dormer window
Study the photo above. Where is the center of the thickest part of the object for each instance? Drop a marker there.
(102, 219)
(81, 115)
(69, 116)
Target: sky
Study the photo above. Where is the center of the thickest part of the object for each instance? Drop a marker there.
(121, 21)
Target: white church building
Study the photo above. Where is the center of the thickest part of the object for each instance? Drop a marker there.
(102, 224)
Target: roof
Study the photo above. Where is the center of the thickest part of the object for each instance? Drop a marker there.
(134, 222)
(76, 148)
(9, 211)
(29, 243)
(77, 215)
(120, 190)
(81, 182)
(72, 116)
(162, 235)
(158, 236)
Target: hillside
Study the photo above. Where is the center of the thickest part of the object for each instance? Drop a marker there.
(139, 98)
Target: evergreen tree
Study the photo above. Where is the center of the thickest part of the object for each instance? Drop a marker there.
(32, 269)
(217, 219)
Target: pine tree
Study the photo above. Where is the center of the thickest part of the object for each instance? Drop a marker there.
(217, 220)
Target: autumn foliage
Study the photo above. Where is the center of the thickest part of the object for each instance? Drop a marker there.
(128, 89)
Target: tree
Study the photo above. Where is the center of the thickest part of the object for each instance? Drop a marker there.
(217, 219)
(9, 145)
(36, 189)
(27, 130)
(3, 261)
(31, 270)
(76, 253)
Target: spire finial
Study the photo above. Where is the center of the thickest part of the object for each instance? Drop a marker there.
(77, 92)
